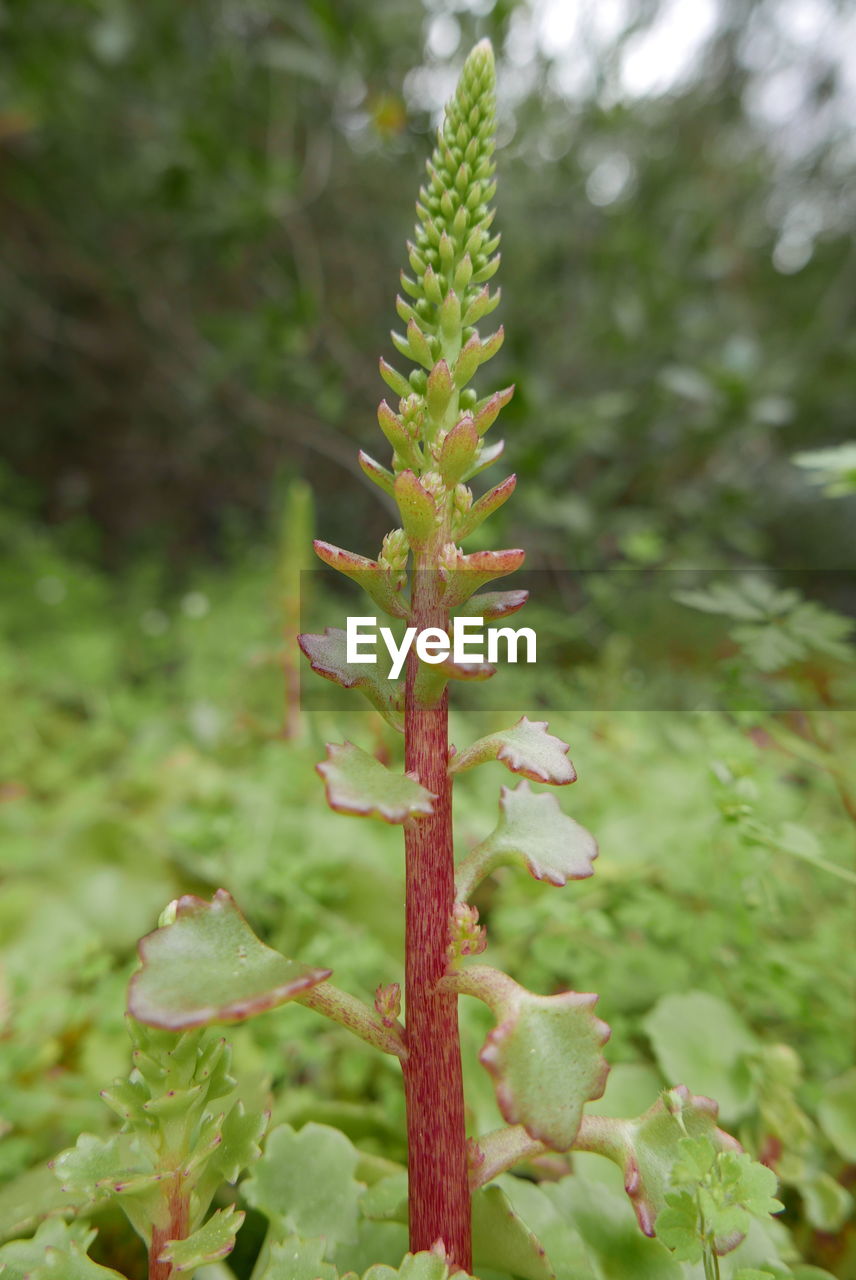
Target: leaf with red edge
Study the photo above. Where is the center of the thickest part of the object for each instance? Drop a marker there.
(356, 783)
(486, 505)
(380, 584)
(469, 572)
(432, 678)
(532, 832)
(647, 1148)
(491, 605)
(544, 1053)
(526, 748)
(207, 966)
(327, 655)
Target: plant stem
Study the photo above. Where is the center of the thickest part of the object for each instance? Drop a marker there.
(176, 1228)
(437, 1161)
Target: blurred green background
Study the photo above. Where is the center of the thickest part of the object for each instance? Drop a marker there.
(203, 209)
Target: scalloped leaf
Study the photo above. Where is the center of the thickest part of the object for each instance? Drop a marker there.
(358, 784)
(208, 966)
(647, 1148)
(532, 832)
(327, 656)
(305, 1183)
(544, 1053)
(56, 1252)
(526, 748)
(96, 1167)
(213, 1241)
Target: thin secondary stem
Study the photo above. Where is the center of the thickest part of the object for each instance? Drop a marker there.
(437, 1161)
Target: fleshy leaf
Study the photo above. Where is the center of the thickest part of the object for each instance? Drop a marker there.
(502, 1241)
(533, 832)
(544, 1053)
(380, 584)
(305, 1183)
(432, 678)
(327, 655)
(96, 1167)
(486, 505)
(469, 572)
(56, 1252)
(357, 783)
(492, 605)
(647, 1149)
(209, 966)
(214, 1240)
(417, 507)
(526, 748)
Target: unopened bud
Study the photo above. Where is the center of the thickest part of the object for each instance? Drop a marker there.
(387, 1003)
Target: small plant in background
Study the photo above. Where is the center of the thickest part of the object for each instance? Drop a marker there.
(184, 1131)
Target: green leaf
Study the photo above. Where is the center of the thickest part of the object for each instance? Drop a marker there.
(96, 1167)
(526, 748)
(386, 1201)
(836, 1112)
(603, 1218)
(656, 1150)
(416, 1266)
(56, 1252)
(469, 572)
(699, 1040)
(327, 656)
(358, 784)
(214, 1240)
(296, 1259)
(544, 1054)
(502, 1241)
(492, 605)
(32, 1196)
(678, 1227)
(380, 584)
(305, 1183)
(534, 833)
(208, 966)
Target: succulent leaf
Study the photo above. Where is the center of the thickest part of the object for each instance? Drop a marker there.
(208, 966)
(213, 1241)
(356, 783)
(544, 1053)
(526, 748)
(327, 655)
(532, 832)
(378, 583)
(491, 605)
(647, 1149)
(56, 1252)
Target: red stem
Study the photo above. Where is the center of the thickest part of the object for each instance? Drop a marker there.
(437, 1162)
(177, 1228)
